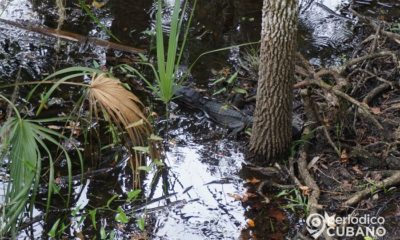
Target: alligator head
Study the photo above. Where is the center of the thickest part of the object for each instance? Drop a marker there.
(189, 96)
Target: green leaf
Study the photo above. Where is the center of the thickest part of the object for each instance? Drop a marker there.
(218, 81)
(53, 231)
(232, 78)
(126, 86)
(141, 149)
(132, 195)
(155, 138)
(55, 188)
(96, 64)
(103, 234)
(141, 223)
(121, 216)
(96, 20)
(239, 90)
(92, 214)
(145, 168)
(111, 200)
(220, 91)
(158, 163)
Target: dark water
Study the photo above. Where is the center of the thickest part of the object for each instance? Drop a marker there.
(204, 165)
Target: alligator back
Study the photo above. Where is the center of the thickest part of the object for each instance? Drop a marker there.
(225, 115)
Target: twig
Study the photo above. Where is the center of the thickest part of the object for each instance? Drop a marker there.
(267, 171)
(394, 36)
(292, 174)
(364, 107)
(378, 78)
(355, 61)
(388, 182)
(375, 92)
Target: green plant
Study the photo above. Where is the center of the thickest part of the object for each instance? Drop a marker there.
(250, 61)
(96, 20)
(23, 143)
(295, 200)
(229, 85)
(168, 60)
(395, 27)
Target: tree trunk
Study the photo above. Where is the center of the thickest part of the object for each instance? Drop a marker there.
(272, 128)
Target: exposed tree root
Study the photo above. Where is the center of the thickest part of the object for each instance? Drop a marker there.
(364, 108)
(308, 179)
(375, 92)
(388, 182)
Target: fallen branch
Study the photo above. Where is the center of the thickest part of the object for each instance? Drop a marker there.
(74, 37)
(355, 61)
(388, 182)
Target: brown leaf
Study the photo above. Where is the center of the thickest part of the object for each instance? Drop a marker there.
(305, 190)
(346, 185)
(344, 157)
(248, 195)
(80, 235)
(250, 222)
(235, 196)
(376, 110)
(276, 236)
(54, 127)
(123, 108)
(277, 214)
(357, 169)
(253, 180)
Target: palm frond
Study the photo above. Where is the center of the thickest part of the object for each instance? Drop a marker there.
(124, 109)
(23, 140)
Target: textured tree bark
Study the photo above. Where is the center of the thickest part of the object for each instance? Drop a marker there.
(272, 127)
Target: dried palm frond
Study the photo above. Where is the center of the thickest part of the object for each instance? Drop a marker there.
(124, 110)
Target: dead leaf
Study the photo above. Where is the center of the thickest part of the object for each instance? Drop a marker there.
(54, 127)
(79, 235)
(375, 196)
(253, 180)
(276, 236)
(235, 196)
(98, 5)
(356, 169)
(247, 196)
(276, 213)
(305, 190)
(344, 157)
(313, 162)
(376, 110)
(346, 185)
(250, 223)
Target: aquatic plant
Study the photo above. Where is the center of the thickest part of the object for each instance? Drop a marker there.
(168, 59)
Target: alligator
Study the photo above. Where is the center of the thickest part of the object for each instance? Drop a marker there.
(220, 113)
